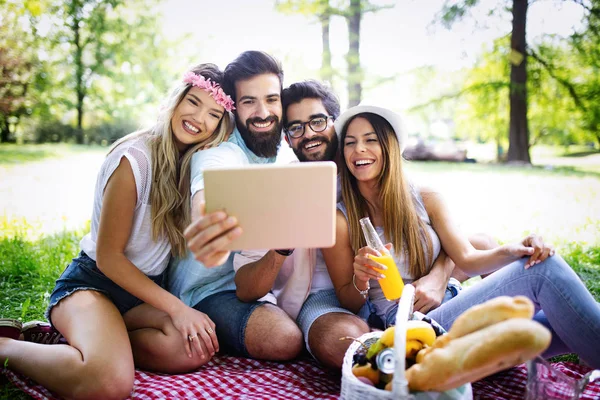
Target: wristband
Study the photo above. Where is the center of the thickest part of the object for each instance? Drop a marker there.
(365, 292)
(284, 252)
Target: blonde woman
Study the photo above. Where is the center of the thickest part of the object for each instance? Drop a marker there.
(418, 225)
(110, 304)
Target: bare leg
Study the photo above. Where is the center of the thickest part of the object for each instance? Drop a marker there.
(97, 363)
(481, 241)
(157, 344)
(325, 333)
(272, 335)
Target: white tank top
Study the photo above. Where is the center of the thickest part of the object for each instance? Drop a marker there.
(149, 256)
(375, 292)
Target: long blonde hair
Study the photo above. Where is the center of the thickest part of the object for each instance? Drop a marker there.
(170, 190)
(401, 223)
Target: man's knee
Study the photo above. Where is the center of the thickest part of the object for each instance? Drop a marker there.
(272, 335)
(325, 334)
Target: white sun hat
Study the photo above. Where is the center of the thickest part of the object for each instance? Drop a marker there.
(393, 118)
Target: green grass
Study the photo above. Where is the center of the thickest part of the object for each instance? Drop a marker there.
(28, 269)
(11, 154)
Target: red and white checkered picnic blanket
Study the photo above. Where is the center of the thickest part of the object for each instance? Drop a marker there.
(240, 378)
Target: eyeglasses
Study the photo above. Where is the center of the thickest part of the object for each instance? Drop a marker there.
(317, 124)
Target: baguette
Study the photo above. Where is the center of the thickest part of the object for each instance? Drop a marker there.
(478, 354)
(489, 313)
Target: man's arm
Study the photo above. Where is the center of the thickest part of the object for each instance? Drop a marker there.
(254, 277)
(208, 235)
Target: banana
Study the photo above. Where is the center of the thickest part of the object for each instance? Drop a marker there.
(412, 348)
(387, 338)
(418, 334)
(421, 331)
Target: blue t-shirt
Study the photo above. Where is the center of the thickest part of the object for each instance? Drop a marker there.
(188, 278)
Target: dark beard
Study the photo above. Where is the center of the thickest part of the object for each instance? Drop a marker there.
(263, 144)
(330, 149)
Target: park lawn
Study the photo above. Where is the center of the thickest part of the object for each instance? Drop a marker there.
(12, 154)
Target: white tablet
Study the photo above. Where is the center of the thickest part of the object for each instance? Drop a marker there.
(277, 206)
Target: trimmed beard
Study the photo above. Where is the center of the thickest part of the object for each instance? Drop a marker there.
(328, 154)
(263, 144)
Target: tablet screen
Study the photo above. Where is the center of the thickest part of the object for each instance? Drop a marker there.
(277, 206)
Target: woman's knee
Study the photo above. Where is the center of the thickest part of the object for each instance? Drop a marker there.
(105, 382)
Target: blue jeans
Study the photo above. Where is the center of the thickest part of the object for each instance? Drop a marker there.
(562, 304)
(368, 311)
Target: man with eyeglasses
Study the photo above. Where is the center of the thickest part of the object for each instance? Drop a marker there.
(301, 282)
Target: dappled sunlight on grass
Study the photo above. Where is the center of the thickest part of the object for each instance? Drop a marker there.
(510, 202)
(11, 154)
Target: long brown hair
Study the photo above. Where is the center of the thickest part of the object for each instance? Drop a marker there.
(170, 190)
(401, 223)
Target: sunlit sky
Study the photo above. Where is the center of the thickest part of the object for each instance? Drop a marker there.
(393, 41)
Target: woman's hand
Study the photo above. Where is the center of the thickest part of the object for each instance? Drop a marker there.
(197, 331)
(532, 246)
(541, 250)
(208, 236)
(365, 268)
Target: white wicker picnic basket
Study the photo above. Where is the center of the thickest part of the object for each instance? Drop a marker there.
(353, 389)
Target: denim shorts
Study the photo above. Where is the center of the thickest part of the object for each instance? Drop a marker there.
(83, 274)
(230, 316)
(317, 304)
(368, 311)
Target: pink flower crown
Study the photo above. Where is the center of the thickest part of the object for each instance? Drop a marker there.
(212, 88)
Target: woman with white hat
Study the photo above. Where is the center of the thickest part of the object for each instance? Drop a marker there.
(417, 224)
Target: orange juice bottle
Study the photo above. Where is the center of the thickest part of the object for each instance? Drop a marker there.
(392, 284)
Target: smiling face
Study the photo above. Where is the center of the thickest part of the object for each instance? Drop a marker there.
(362, 150)
(258, 113)
(195, 118)
(312, 146)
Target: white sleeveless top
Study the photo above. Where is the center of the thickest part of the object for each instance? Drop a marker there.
(382, 305)
(148, 256)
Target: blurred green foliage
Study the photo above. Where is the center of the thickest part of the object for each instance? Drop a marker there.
(82, 70)
(563, 85)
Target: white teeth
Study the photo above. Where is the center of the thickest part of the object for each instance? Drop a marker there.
(363, 162)
(261, 125)
(191, 127)
(312, 144)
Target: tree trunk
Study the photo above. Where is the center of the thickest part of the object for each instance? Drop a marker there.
(353, 57)
(79, 71)
(4, 133)
(518, 149)
(326, 69)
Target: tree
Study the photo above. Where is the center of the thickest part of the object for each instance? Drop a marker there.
(322, 10)
(99, 37)
(20, 68)
(353, 14)
(519, 130)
